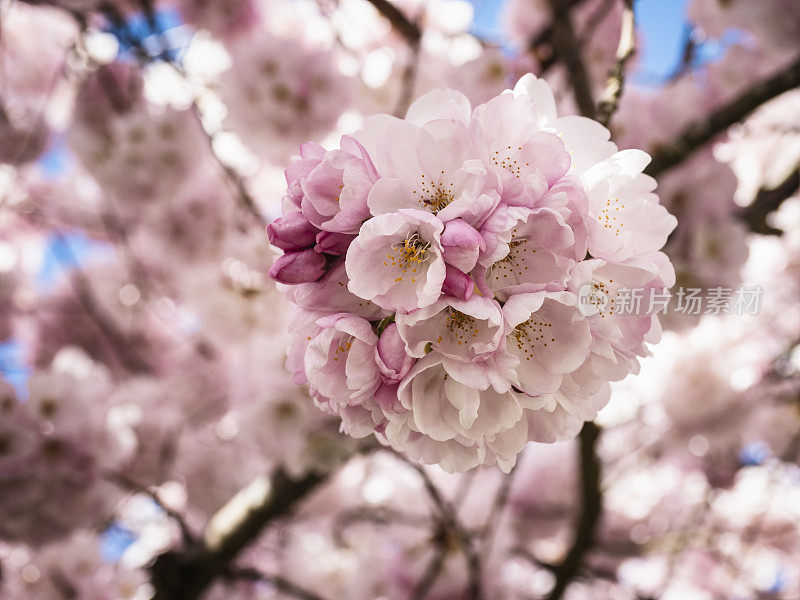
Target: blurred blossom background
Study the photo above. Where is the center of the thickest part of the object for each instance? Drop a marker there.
(152, 444)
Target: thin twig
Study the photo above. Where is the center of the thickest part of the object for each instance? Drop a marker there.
(281, 584)
(133, 486)
(245, 198)
(431, 573)
(128, 356)
(378, 515)
(688, 54)
(500, 501)
(450, 521)
(703, 130)
(609, 101)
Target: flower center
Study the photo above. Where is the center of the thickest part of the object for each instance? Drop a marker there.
(527, 334)
(509, 264)
(342, 348)
(600, 298)
(408, 255)
(608, 217)
(504, 158)
(461, 327)
(434, 196)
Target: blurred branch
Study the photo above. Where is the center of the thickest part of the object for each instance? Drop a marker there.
(451, 530)
(378, 515)
(132, 486)
(245, 198)
(688, 53)
(186, 573)
(609, 101)
(528, 556)
(593, 22)
(498, 506)
(407, 83)
(399, 21)
(705, 129)
(591, 507)
(82, 286)
(566, 45)
(431, 573)
(281, 584)
(767, 201)
(410, 31)
(541, 44)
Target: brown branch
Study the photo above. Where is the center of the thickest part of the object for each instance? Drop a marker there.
(705, 129)
(616, 77)
(767, 201)
(186, 573)
(591, 507)
(398, 20)
(567, 47)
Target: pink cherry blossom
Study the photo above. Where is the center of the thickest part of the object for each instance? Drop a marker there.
(396, 260)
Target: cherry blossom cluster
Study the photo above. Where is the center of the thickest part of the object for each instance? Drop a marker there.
(438, 264)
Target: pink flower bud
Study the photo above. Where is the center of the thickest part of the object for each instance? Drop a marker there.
(461, 244)
(292, 232)
(303, 266)
(391, 357)
(457, 284)
(333, 243)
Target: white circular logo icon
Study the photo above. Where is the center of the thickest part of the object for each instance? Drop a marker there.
(591, 300)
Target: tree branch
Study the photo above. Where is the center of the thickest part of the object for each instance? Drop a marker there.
(541, 44)
(616, 77)
(591, 507)
(705, 129)
(185, 574)
(566, 46)
(767, 201)
(399, 21)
